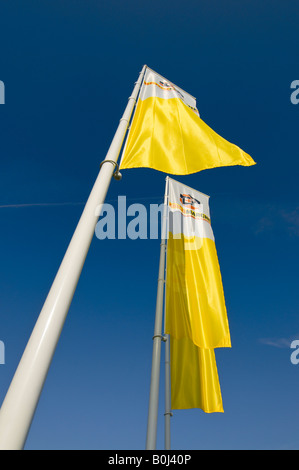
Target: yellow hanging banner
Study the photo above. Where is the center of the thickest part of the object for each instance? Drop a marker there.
(196, 316)
(167, 133)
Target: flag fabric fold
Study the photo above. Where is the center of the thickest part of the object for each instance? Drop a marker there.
(194, 377)
(167, 133)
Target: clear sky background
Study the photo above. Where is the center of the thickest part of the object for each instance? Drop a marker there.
(69, 67)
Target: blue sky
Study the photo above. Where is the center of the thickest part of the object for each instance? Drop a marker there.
(69, 68)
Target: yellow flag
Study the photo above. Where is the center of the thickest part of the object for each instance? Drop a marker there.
(168, 135)
(196, 316)
(194, 377)
(195, 300)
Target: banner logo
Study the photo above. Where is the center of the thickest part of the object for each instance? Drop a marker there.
(187, 199)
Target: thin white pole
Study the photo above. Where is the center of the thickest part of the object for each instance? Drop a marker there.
(21, 400)
(151, 438)
(168, 413)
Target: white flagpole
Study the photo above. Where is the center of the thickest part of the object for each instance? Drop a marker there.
(168, 413)
(151, 438)
(19, 405)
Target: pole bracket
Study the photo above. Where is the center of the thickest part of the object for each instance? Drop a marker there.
(116, 175)
(168, 413)
(163, 338)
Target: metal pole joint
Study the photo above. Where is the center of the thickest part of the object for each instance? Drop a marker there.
(163, 338)
(117, 174)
